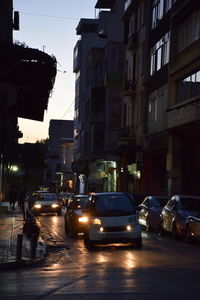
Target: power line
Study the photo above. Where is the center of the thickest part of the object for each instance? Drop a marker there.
(48, 16)
(68, 109)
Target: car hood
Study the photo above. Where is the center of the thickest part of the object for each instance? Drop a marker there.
(118, 220)
(187, 213)
(79, 212)
(46, 202)
(156, 210)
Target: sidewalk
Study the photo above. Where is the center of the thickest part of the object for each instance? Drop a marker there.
(11, 231)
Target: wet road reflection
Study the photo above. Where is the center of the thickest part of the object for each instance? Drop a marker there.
(159, 269)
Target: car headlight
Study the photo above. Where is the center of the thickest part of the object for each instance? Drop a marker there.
(96, 221)
(37, 206)
(128, 227)
(54, 205)
(83, 219)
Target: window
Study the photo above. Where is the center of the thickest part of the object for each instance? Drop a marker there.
(159, 9)
(188, 87)
(189, 31)
(157, 109)
(160, 53)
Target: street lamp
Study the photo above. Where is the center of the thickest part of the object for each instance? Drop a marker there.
(14, 168)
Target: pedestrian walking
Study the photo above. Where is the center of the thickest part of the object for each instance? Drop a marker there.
(21, 202)
(13, 198)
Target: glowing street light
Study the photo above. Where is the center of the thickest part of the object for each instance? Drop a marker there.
(14, 168)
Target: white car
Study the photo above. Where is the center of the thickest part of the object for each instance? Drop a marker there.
(47, 203)
(111, 218)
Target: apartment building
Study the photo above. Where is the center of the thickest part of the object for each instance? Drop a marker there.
(183, 111)
(152, 144)
(98, 96)
(164, 93)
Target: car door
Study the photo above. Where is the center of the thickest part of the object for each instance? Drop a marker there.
(169, 214)
(68, 215)
(143, 211)
(195, 226)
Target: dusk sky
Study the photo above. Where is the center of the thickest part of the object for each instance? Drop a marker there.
(50, 26)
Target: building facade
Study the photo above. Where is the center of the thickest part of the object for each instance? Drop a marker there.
(167, 95)
(100, 53)
(59, 175)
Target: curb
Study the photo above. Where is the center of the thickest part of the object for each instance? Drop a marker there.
(21, 264)
(25, 263)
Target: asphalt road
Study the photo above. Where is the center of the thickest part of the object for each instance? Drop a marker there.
(162, 269)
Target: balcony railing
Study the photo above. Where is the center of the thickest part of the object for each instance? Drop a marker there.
(129, 86)
(126, 132)
(132, 41)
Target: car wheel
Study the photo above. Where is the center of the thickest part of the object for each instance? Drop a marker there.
(188, 236)
(138, 243)
(90, 245)
(74, 233)
(66, 227)
(148, 225)
(174, 231)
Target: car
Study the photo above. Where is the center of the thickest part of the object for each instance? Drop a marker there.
(192, 228)
(47, 203)
(149, 211)
(74, 216)
(174, 214)
(33, 197)
(111, 218)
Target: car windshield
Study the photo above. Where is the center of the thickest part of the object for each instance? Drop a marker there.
(158, 202)
(80, 203)
(48, 197)
(191, 204)
(117, 205)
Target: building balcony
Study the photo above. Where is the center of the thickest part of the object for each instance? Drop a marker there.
(126, 138)
(132, 41)
(126, 133)
(27, 78)
(129, 88)
(129, 8)
(179, 6)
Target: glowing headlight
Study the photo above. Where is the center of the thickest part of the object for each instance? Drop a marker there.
(83, 219)
(128, 228)
(37, 205)
(101, 229)
(97, 221)
(54, 205)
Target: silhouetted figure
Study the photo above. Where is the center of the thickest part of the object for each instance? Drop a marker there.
(13, 198)
(21, 202)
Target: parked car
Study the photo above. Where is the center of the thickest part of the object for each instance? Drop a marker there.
(174, 214)
(136, 198)
(47, 203)
(192, 228)
(74, 215)
(111, 219)
(149, 211)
